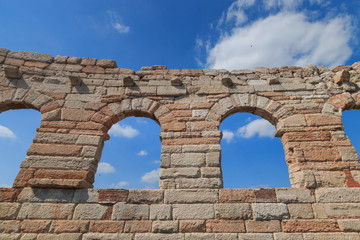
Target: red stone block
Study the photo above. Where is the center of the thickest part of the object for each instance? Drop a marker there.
(271, 226)
(41, 65)
(14, 62)
(322, 120)
(112, 195)
(225, 226)
(35, 226)
(54, 149)
(141, 226)
(192, 226)
(69, 226)
(265, 195)
(310, 225)
(93, 69)
(105, 226)
(236, 196)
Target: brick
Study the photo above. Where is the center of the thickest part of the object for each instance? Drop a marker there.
(106, 226)
(225, 226)
(35, 226)
(142, 226)
(316, 225)
(69, 226)
(193, 211)
(192, 226)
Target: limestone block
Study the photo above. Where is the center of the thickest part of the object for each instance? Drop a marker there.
(192, 226)
(300, 211)
(268, 211)
(145, 196)
(160, 212)
(137, 226)
(193, 211)
(233, 211)
(288, 236)
(191, 196)
(159, 236)
(11, 236)
(255, 236)
(225, 226)
(349, 225)
(89, 140)
(211, 172)
(170, 90)
(337, 195)
(213, 159)
(35, 226)
(69, 226)
(46, 211)
(9, 211)
(336, 210)
(331, 236)
(107, 236)
(46, 195)
(165, 226)
(89, 211)
(29, 236)
(199, 236)
(291, 195)
(254, 226)
(61, 236)
(11, 226)
(123, 211)
(188, 160)
(188, 172)
(30, 56)
(226, 236)
(200, 113)
(341, 76)
(188, 183)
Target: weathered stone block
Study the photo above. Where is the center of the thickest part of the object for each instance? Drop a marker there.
(9, 211)
(233, 211)
(165, 226)
(123, 211)
(191, 196)
(89, 211)
(46, 211)
(193, 211)
(268, 211)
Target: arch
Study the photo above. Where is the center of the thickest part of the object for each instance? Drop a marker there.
(251, 103)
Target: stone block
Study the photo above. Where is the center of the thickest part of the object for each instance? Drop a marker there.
(233, 211)
(11, 226)
(113, 195)
(46, 195)
(192, 226)
(288, 236)
(268, 211)
(90, 212)
(199, 236)
(159, 236)
(187, 172)
(188, 160)
(191, 196)
(46, 211)
(145, 196)
(271, 226)
(193, 211)
(236, 196)
(336, 210)
(310, 225)
(9, 211)
(69, 226)
(291, 195)
(136, 226)
(35, 226)
(300, 211)
(123, 211)
(11, 236)
(332, 236)
(211, 172)
(30, 56)
(106, 226)
(225, 226)
(107, 236)
(338, 195)
(61, 236)
(349, 225)
(226, 236)
(165, 226)
(86, 196)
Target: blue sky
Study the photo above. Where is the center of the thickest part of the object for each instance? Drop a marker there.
(180, 34)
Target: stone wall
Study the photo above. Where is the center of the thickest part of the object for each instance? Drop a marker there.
(81, 98)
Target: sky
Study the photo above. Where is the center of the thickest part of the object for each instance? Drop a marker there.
(225, 34)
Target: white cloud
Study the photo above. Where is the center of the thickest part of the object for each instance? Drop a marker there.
(151, 177)
(283, 35)
(259, 127)
(105, 168)
(6, 133)
(115, 23)
(142, 153)
(119, 184)
(228, 136)
(126, 131)
(157, 162)
(283, 39)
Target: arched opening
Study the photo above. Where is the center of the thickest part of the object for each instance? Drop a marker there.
(131, 158)
(352, 127)
(251, 156)
(17, 130)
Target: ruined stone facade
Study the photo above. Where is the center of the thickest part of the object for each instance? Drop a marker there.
(80, 99)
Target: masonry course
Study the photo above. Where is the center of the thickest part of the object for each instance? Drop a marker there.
(81, 98)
